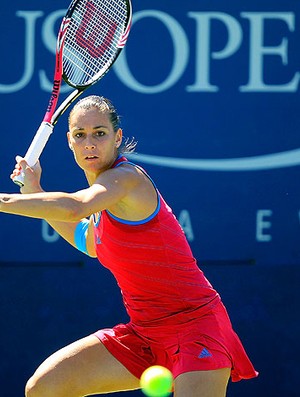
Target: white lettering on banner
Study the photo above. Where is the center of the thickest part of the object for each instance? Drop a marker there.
(30, 18)
(185, 221)
(181, 55)
(48, 234)
(203, 51)
(51, 236)
(203, 47)
(262, 225)
(258, 51)
(203, 56)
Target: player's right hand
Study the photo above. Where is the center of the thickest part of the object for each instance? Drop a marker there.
(32, 175)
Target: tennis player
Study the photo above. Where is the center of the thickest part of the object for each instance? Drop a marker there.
(177, 319)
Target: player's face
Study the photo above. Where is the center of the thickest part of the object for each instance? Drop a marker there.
(93, 140)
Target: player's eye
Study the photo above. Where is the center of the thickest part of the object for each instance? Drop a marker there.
(100, 133)
(78, 135)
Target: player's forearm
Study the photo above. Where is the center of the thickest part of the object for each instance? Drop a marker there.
(51, 206)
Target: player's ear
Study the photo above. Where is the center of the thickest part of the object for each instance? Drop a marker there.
(69, 142)
(119, 135)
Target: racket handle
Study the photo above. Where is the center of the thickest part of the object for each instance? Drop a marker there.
(35, 149)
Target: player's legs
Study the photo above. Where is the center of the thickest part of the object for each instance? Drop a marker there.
(85, 367)
(202, 383)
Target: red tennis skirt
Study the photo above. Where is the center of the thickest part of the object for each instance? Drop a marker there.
(207, 343)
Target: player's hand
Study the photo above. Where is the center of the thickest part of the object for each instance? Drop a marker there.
(32, 175)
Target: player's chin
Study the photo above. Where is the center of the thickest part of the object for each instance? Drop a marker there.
(91, 165)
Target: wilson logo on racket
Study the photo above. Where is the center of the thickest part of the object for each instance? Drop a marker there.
(54, 95)
(88, 39)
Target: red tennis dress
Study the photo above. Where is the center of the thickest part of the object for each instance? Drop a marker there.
(177, 319)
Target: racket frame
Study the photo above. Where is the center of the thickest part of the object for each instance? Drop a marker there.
(53, 112)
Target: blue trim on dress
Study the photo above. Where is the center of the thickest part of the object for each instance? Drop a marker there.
(142, 221)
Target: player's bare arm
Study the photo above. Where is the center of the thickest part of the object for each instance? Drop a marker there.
(112, 190)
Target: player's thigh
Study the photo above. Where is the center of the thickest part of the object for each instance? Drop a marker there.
(81, 368)
(202, 383)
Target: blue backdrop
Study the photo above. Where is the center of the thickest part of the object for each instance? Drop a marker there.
(211, 93)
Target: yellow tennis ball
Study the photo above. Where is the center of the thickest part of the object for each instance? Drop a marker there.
(156, 381)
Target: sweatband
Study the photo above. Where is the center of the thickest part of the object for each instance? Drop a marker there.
(80, 235)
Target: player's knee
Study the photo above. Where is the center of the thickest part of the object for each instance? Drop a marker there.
(30, 388)
(36, 387)
(48, 386)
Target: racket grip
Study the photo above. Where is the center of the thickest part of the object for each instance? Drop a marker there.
(35, 149)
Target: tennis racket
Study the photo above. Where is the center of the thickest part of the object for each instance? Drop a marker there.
(90, 39)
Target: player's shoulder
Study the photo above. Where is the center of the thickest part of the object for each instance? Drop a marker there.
(124, 174)
(130, 169)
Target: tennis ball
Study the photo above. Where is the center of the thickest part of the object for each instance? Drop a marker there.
(156, 381)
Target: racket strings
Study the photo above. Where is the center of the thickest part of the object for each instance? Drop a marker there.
(92, 40)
